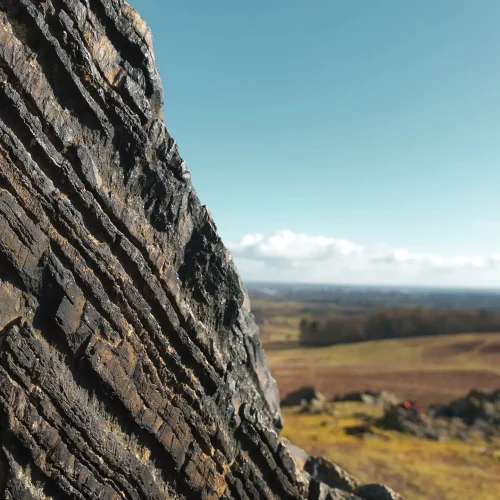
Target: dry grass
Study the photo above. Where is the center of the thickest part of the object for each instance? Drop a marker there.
(418, 469)
(431, 369)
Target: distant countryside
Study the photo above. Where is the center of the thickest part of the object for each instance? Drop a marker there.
(338, 351)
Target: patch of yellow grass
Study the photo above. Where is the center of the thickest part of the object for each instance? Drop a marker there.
(419, 469)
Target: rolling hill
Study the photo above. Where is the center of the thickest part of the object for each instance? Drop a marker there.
(428, 369)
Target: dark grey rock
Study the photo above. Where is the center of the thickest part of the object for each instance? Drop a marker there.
(478, 411)
(314, 407)
(377, 492)
(321, 491)
(383, 398)
(130, 364)
(327, 472)
(304, 394)
(298, 455)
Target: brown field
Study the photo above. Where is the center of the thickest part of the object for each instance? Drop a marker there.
(430, 369)
(491, 348)
(453, 349)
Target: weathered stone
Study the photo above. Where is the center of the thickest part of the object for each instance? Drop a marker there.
(299, 456)
(476, 406)
(383, 398)
(327, 472)
(304, 394)
(130, 363)
(377, 492)
(321, 491)
(314, 407)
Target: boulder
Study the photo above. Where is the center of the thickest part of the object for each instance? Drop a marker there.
(299, 456)
(327, 481)
(386, 398)
(376, 492)
(327, 472)
(479, 411)
(383, 398)
(314, 407)
(321, 491)
(355, 396)
(301, 396)
(409, 421)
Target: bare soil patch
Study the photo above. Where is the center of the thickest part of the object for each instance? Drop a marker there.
(431, 370)
(426, 386)
(452, 349)
(491, 348)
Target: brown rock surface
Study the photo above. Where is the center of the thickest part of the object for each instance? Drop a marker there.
(130, 365)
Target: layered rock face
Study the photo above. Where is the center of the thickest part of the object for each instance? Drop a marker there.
(130, 364)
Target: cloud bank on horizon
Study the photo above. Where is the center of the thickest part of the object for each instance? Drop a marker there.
(294, 257)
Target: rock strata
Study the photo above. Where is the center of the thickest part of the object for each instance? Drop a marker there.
(130, 365)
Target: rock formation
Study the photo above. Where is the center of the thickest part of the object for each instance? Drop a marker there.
(130, 364)
(303, 395)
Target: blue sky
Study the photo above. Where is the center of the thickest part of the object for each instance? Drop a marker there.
(308, 126)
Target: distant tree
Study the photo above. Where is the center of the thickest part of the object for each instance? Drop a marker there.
(396, 323)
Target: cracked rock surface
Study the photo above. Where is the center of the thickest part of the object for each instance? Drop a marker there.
(130, 364)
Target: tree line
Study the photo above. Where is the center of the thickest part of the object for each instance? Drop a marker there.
(396, 323)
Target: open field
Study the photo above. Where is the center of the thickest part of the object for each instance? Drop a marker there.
(428, 369)
(431, 370)
(418, 469)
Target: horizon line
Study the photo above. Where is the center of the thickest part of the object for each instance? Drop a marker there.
(374, 285)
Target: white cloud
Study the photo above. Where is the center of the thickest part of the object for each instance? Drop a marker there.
(287, 249)
(290, 256)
